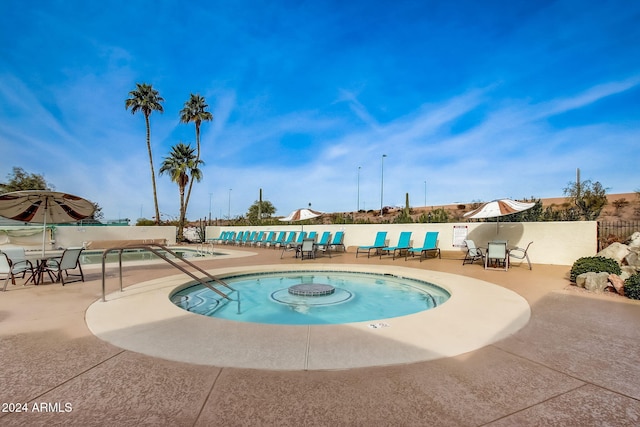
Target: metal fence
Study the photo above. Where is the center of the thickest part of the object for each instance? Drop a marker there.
(615, 231)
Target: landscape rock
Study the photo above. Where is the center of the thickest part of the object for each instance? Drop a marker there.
(632, 260)
(634, 240)
(594, 282)
(617, 282)
(627, 272)
(617, 251)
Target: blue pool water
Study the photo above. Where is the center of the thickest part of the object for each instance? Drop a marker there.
(95, 256)
(357, 297)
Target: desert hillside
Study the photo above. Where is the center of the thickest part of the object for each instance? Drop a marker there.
(621, 207)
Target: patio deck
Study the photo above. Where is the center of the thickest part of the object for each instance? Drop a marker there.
(576, 362)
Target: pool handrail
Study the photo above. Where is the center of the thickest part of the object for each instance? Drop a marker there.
(159, 254)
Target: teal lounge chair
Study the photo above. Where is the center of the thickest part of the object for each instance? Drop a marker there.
(323, 244)
(258, 238)
(279, 240)
(289, 240)
(430, 245)
(266, 239)
(338, 240)
(377, 245)
(252, 238)
(246, 236)
(229, 238)
(238, 238)
(404, 244)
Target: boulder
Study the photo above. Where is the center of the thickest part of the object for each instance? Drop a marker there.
(634, 240)
(617, 282)
(627, 272)
(594, 282)
(617, 251)
(632, 260)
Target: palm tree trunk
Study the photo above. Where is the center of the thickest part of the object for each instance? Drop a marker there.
(182, 215)
(186, 203)
(153, 174)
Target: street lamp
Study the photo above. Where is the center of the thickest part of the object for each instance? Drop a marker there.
(229, 211)
(359, 167)
(382, 182)
(210, 194)
(425, 193)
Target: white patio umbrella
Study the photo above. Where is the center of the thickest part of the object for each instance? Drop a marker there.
(46, 207)
(498, 208)
(301, 215)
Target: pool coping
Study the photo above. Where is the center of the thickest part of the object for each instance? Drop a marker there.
(143, 319)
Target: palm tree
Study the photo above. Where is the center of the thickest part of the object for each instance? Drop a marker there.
(181, 163)
(146, 99)
(195, 111)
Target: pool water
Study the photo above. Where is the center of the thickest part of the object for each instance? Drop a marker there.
(95, 257)
(358, 297)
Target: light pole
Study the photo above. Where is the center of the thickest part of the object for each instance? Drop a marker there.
(210, 194)
(382, 182)
(358, 210)
(229, 211)
(425, 193)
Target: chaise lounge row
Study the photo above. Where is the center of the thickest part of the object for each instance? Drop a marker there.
(285, 240)
(380, 246)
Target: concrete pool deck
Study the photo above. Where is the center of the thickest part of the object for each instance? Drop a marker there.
(575, 362)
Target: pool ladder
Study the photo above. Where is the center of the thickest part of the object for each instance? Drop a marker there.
(160, 253)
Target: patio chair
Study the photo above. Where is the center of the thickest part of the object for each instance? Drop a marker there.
(473, 253)
(8, 269)
(309, 248)
(404, 244)
(5, 270)
(70, 260)
(294, 245)
(338, 241)
(378, 244)
(19, 263)
(324, 244)
(520, 253)
(497, 256)
(430, 245)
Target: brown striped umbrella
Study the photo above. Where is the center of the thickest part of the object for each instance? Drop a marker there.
(498, 208)
(45, 207)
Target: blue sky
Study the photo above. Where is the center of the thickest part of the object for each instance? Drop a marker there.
(469, 100)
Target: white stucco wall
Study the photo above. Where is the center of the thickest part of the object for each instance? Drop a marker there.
(68, 236)
(559, 243)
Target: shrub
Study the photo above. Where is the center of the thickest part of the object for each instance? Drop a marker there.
(595, 264)
(632, 287)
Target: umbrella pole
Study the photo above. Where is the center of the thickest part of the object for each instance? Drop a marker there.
(44, 226)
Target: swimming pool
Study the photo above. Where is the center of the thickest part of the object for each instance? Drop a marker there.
(143, 319)
(95, 256)
(313, 297)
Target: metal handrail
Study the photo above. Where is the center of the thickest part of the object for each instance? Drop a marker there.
(159, 254)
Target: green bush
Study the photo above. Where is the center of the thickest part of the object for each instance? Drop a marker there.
(595, 264)
(632, 287)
